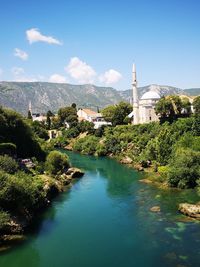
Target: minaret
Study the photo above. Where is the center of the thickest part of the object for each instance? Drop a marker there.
(135, 97)
(30, 107)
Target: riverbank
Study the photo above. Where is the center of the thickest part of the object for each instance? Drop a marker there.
(19, 223)
(105, 217)
(153, 175)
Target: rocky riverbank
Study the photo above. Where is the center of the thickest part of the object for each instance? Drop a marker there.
(191, 210)
(19, 224)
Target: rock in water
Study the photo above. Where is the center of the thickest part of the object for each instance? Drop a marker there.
(74, 173)
(155, 209)
(191, 210)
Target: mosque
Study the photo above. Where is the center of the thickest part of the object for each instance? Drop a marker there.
(143, 108)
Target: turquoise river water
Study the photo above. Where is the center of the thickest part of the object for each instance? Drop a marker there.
(104, 220)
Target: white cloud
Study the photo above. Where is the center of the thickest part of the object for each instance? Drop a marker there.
(21, 54)
(56, 78)
(80, 71)
(110, 77)
(33, 35)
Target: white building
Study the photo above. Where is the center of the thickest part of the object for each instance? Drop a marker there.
(39, 117)
(143, 108)
(92, 116)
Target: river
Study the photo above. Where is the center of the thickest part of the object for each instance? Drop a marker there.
(104, 220)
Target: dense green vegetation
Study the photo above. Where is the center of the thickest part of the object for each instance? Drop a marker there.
(56, 163)
(14, 129)
(171, 147)
(25, 158)
(174, 145)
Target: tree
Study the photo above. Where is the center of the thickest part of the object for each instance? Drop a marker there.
(14, 129)
(196, 105)
(108, 113)
(170, 107)
(29, 115)
(49, 115)
(55, 123)
(163, 107)
(184, 171)
(8, 148)
(39, 130)
(117, 113)
(8, 164)
(69, 115)
(186, 105)
(196, 125)
(74, 106)
(56, 162)
(86, 126)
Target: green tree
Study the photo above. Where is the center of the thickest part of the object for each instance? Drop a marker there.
(8, 148)
(69, 115)
(74, 106)
(186, 105)
(8, 164)
(21, 192)
(29, 115)
(169, 107)
(39, 130)
(196, 105)
(196, 125)
(4, 219)
(117, 114)
(184, 171)
(14, 129)
(86, 126)
(163, 107)
(56, 162)
(48, 122)
(55, 123)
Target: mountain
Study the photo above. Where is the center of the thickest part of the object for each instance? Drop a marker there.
(162, 90)
(193, 91)
(51, 96)
(46, 96)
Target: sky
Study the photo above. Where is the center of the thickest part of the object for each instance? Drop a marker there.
(97, 41)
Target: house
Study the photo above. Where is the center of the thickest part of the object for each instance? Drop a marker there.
(39, 117)
(92, 116)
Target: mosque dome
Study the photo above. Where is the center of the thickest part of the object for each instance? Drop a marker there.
(150, 95)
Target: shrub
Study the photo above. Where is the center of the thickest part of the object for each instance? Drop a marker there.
(8, 164)
(39, 130)
(71, 133)
(56, 162)
(163, 171)
(184, 168)
(101, 150)
(7, 148)
(86, 126)
(21, 191)
(4, 219)
(87, 144)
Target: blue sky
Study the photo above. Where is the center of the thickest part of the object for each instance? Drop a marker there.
(85, 41)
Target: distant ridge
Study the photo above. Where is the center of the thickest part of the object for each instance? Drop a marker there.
(46, 96)
(193, 91)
